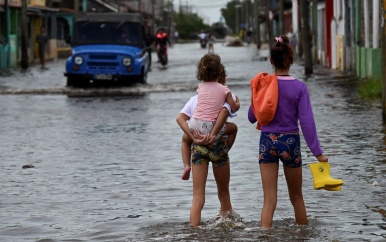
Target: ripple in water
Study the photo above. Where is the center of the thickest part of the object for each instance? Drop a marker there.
(230, 220)
(232, 227)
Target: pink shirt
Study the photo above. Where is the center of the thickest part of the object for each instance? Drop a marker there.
(211, 98)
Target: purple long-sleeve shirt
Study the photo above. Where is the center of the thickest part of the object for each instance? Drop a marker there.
(294, 105)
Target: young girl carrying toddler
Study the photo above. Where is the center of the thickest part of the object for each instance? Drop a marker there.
(188, 111)
(206, 118)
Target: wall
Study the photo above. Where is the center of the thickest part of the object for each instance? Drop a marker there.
(369, 62)
(339, 52)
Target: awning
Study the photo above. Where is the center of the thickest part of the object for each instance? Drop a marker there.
(110, 17)
(37, 10)
(33, 11)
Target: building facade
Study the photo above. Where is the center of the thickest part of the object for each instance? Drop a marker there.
(57, 16)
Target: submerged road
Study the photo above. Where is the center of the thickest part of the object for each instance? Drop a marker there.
(107, 167)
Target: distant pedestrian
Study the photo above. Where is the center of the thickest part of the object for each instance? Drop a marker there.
(249, 35)
(42, 40)
(149, 43)
(293, 43)
(176, 35)
(210, 43)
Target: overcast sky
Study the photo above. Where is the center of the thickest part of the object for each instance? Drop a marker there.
(209, 10)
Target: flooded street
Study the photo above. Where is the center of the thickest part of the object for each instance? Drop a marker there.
(107, 163)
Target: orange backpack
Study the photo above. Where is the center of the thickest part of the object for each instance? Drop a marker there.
(264, 98)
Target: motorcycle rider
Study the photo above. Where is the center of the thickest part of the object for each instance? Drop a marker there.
(161, 41)
(203, 39)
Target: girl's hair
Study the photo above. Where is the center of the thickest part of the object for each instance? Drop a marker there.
(223, 75)
(282, 54)
(209, 67)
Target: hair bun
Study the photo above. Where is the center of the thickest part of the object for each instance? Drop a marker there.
(285, 39)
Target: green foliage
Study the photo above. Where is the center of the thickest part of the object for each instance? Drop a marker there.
(189, 25)
(218, 30)
(229, 14)
(370, 88)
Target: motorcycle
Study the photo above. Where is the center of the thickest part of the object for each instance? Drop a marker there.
(203, 42)
(162, 54)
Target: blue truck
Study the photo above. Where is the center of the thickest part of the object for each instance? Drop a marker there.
(108, 49)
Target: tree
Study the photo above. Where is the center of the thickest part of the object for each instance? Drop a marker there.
(189, 24)
(229, 14)
(219, 30)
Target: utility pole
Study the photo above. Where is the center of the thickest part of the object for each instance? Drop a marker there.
(347, 36)
(257, 23)
(172, 21)
(268, 20)
(315, 30)
(153, 20)
(304, 8)
(300, 33)
(24, 36)
(281, 17)
(384, 62)
(7, 28)
(237, 6)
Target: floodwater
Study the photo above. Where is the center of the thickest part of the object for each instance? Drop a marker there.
(107, 167)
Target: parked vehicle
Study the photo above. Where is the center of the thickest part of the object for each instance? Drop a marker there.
(108, 49)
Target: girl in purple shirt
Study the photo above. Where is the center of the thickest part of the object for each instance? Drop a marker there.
(280, 138)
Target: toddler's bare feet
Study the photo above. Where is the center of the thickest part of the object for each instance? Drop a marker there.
(186, 174)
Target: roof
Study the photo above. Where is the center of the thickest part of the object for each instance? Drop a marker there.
(110, 17)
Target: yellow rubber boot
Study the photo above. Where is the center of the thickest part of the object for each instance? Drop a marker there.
(322, 179)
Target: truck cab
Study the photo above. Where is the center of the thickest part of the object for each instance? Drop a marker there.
(108, 49)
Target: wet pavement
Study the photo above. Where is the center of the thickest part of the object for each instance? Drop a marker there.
(106, 162)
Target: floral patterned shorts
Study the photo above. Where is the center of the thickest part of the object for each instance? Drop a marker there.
(275, 146)
(217, 153)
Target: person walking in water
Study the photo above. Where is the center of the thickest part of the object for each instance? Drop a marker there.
(279, 139)
(211, 98)
(188, 111)
(210, 43)
(42, 40)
